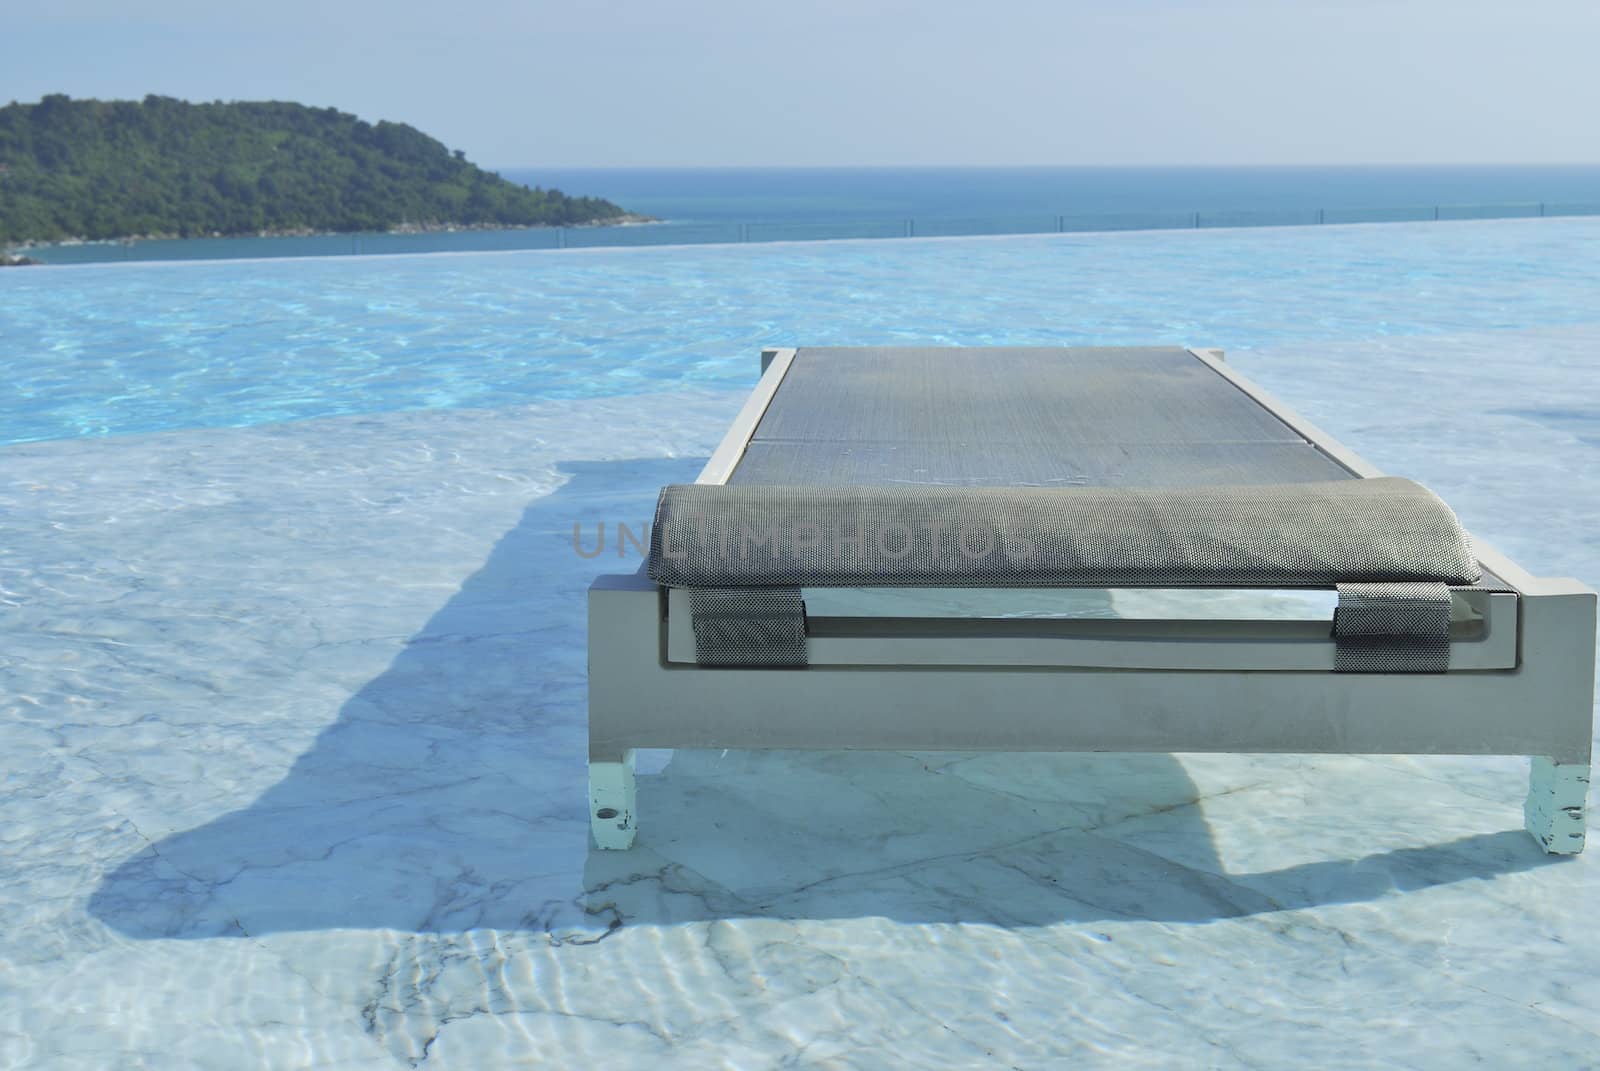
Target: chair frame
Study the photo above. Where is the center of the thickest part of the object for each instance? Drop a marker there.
(1521, 680)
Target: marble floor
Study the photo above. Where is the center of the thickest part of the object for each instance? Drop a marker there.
(293, 726)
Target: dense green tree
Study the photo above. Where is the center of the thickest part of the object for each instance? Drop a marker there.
(111, 169)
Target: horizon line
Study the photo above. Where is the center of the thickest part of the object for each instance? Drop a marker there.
(1047, 167)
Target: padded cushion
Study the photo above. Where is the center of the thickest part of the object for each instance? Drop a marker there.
(1277, 535)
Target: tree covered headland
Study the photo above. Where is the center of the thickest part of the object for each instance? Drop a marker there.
(112, 169)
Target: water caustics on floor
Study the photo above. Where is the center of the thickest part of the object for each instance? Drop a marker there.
(292, 682)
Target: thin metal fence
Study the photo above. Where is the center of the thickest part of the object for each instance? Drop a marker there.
(758, 231)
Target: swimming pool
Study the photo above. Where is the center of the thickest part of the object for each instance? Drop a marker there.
(292, 692)
(109, 349)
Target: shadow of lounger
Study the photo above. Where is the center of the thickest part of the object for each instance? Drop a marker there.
(449, 795)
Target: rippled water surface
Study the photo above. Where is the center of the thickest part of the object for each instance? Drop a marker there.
(292, 685)
(94, 350)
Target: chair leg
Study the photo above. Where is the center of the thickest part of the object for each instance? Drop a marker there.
(1554, 811)
(612, 803)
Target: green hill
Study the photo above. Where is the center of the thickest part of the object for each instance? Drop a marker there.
(113, 169)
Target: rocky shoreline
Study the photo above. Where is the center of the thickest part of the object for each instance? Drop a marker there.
(10, 256)
(627, 219)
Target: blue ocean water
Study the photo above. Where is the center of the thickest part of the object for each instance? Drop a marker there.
(696, 205)
(821, 195)
(113, 349)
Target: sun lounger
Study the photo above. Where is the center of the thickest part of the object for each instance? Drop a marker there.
(923, 549)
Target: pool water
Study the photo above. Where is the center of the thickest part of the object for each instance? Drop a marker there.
(110, 349)
(292, 681)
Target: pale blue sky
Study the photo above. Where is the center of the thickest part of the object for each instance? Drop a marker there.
(868, 82)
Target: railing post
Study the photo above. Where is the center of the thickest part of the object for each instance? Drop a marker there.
(1061, 224)
(1436, 213)
(1197, 221)
(561, 237)
(1541, 209)
(1322, 215)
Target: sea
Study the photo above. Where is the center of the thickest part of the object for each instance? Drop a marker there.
(827, 194)
(717, 205)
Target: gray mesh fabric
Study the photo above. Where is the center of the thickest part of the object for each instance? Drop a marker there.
(994, 463)
(1020, 416)
(1286, 535)
(1037, 466)
(748, 626)
(1392, 628)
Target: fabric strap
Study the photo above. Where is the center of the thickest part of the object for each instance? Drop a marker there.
(1392, 628)
(748, 626)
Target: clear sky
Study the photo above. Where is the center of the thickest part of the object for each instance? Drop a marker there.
(866, 82)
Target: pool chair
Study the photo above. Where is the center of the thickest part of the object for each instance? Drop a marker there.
(1103, 549)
